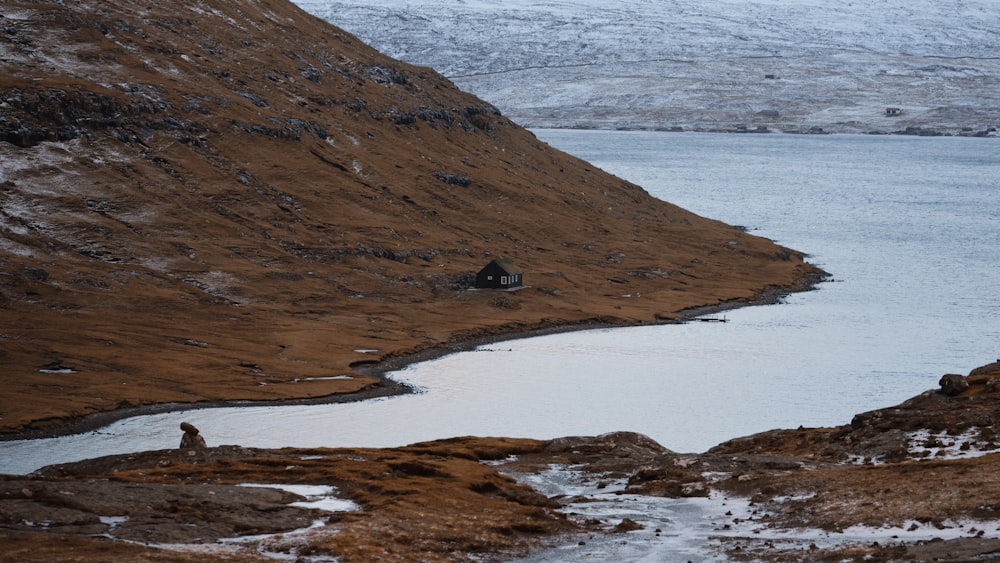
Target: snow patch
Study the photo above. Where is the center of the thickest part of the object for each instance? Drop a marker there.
(318, 497)
(280, 547)
(218, 284)
(322, 378)
(44, 158)
(113, 521)
(941, 445)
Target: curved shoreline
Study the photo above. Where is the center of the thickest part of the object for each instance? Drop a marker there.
(387, 387)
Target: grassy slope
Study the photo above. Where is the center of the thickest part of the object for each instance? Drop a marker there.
(215, 200)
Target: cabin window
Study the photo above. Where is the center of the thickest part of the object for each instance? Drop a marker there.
(503, 280)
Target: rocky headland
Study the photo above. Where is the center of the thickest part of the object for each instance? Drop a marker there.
(223, 201)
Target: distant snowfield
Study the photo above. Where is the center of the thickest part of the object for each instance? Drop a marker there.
(650, 64)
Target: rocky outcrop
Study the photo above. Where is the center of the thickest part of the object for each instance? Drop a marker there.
(191, 438)
(988, 369)
(429, 502)
(615, 452)
(167, 513)
(953, 384)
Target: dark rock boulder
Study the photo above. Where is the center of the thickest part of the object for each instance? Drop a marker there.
(613, 452)
(671, 475)
(953, 384)
(627, 525)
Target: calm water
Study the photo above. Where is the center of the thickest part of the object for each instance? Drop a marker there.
(909, 227)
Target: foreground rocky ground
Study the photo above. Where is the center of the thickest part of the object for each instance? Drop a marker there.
(930, 461)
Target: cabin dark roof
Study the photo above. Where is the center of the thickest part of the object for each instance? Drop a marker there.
(507, 266)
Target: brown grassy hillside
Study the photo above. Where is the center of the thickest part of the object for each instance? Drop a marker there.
(220, 200)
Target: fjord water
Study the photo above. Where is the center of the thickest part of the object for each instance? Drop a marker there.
(909, 228)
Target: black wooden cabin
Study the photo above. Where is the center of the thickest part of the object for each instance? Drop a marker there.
(499, 274)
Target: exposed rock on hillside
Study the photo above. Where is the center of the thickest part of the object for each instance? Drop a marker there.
(234, 200)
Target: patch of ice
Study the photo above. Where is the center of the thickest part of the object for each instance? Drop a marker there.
(19, 15)
(941, 445)
(46, 157)
(496, 462)
(263, 537)
(281, 547)
(329, 377)
(915, 531)
(113, 521)
(218, 284)
(319, 497)
(568, 481)
(328, 505)
(863, 460)
(12, 247)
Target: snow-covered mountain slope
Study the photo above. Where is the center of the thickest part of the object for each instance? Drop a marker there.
(781, 64)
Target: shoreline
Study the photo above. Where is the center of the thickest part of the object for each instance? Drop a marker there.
(988, 132)
(387, 387)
